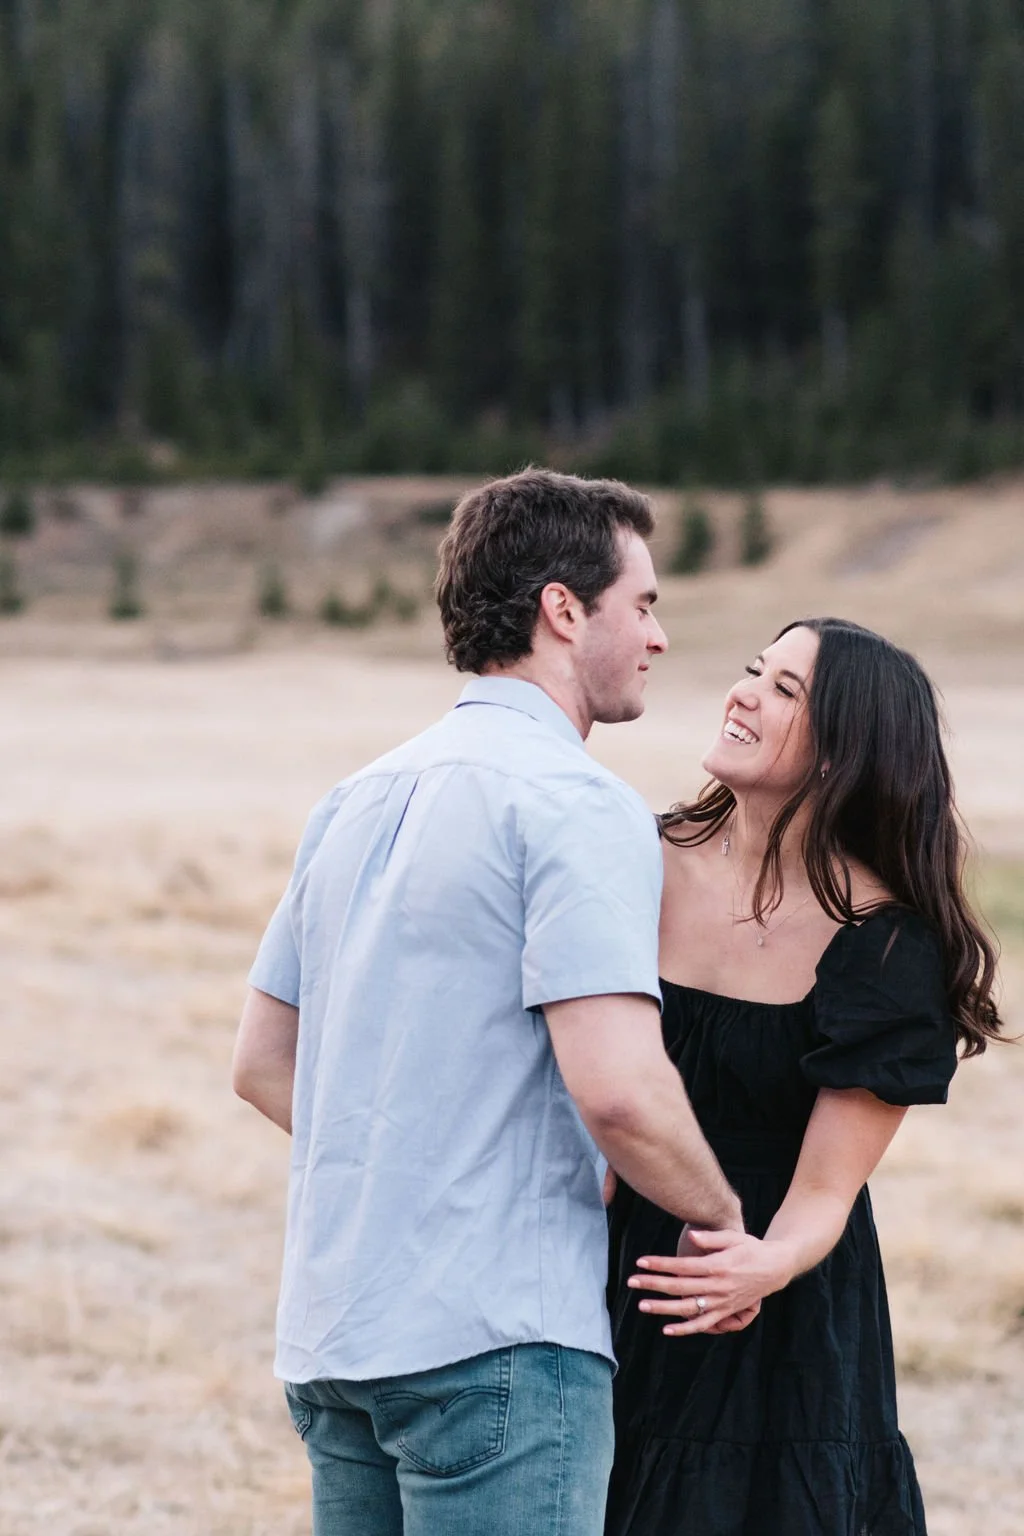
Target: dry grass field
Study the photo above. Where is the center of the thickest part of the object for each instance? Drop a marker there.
(155, 780)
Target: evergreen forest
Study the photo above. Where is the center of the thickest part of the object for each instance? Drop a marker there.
(677, 240)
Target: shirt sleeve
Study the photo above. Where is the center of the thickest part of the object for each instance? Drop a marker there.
(592, 894)
(882, 1016)
(277, 969)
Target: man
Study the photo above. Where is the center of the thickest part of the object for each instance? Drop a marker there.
(454, 1007)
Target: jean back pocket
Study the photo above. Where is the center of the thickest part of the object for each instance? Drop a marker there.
(448, 1420)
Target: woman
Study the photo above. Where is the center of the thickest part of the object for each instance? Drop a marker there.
(820, 966)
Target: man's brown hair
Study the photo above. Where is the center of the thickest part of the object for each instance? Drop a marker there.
(509, 539)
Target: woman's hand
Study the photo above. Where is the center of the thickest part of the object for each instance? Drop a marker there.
(730, 1272)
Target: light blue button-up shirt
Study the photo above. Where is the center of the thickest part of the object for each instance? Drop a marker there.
(444, 1195)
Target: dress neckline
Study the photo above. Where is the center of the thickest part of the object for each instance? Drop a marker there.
(795, 1002)
(726, 997)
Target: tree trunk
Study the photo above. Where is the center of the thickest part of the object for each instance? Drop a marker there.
(696, 345)
(834, 350)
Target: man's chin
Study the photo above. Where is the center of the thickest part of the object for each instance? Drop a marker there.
(620, 713)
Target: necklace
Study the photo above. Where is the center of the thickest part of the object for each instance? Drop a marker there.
(766, 932)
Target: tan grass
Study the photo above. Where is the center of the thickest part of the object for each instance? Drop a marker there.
(146, 829)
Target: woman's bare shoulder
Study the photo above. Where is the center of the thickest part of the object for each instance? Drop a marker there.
(687, 861)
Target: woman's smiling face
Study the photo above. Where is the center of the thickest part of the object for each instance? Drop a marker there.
(765, 743)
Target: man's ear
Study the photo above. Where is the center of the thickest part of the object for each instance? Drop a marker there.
(561, 610)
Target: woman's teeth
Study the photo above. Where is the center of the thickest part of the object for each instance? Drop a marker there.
(737, 732)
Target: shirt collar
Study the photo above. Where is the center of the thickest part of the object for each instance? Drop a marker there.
(515, 693)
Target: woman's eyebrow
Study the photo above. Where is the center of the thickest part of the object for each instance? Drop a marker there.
(785, 672)
(795, 676)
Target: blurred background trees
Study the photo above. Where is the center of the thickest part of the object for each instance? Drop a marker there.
(728, 240)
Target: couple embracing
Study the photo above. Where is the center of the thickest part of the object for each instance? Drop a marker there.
(499, 996)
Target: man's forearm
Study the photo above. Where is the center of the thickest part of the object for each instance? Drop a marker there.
(271, 1094)
(658, 1148)
(612, 1058)
(263, 1069)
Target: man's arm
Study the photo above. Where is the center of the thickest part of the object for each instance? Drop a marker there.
(633, 1103)
(263, 1066)
(847, 1134)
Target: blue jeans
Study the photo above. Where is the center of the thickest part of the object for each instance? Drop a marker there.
(517, 1442)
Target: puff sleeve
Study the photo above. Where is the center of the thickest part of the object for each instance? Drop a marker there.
(882, 1017)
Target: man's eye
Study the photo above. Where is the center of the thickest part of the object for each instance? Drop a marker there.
(752, 671)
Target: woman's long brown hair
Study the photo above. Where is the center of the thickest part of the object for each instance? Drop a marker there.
(886, 800)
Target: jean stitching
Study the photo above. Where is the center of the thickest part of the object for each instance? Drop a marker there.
(498, 1435)
(504, 1399)
(510, 1382)
(561, 1440)
(301, 1414)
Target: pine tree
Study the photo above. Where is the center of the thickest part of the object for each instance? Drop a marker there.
(1001, 102)
(11, 598)
(760, 232)
(696, 540)
(755, 532)
(17, 515)
(839, 197)
(125, 601)
(272, 594)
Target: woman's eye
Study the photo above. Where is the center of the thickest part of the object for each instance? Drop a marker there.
(751, 671)
(785, 692)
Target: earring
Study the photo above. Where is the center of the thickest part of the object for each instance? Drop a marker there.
(824, 773)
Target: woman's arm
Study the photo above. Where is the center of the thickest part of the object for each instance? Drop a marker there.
(848, 1132)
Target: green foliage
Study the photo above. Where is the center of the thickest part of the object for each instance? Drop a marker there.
(129, 464)
(435, 514)
(297, 240)
(755, 532)
(125, 601)
(272, 594)
(385, 600)
(11, 598)
(696, 541)
(17, 515)
(403, 426)
(172, 384)
(334, 610)
(311, 476)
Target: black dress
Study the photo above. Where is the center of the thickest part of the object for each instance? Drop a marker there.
(789, 1427)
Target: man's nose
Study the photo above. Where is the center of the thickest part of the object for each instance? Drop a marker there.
(658, 641)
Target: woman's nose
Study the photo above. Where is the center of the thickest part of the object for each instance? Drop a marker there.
(744, 694)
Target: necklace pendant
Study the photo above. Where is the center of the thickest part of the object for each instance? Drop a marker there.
(725, 846)
(760, 941)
